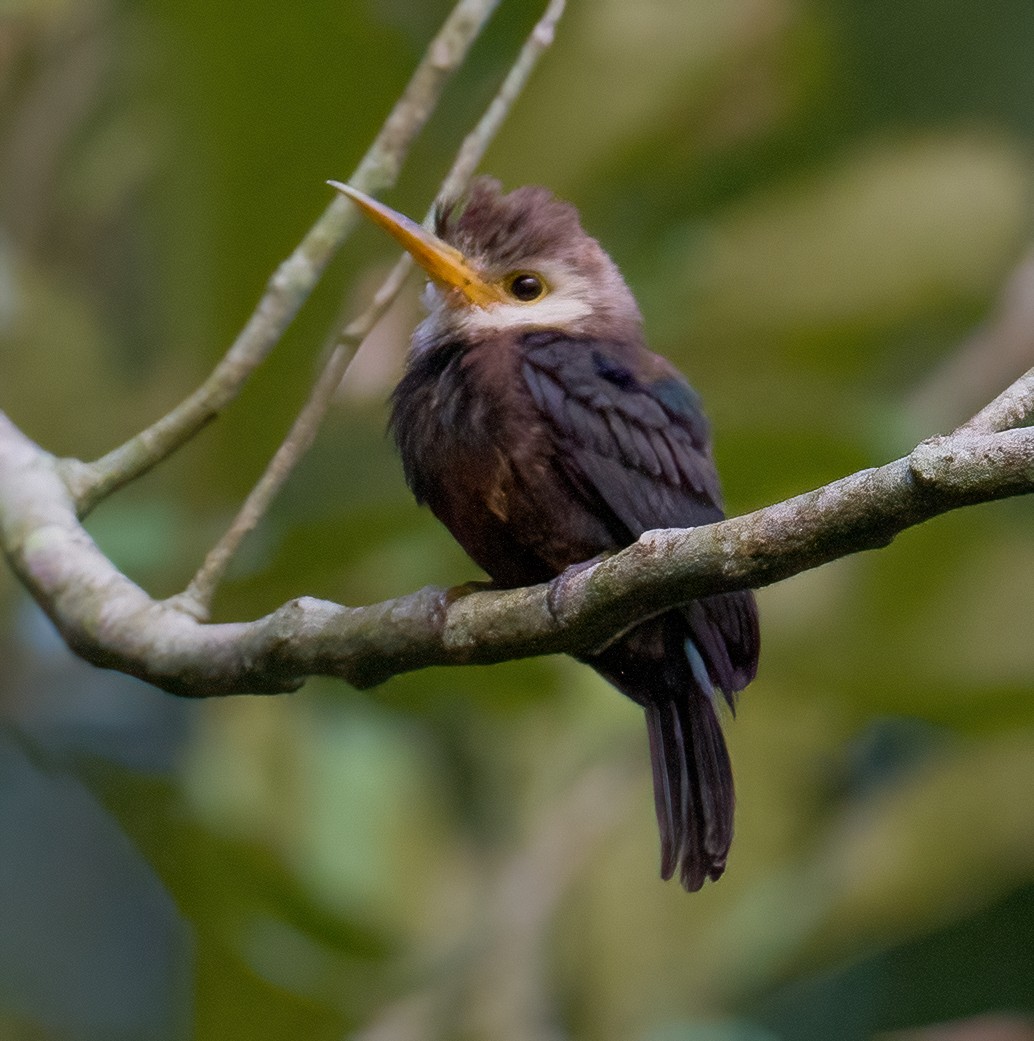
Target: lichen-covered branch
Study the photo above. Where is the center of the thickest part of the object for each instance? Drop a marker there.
(112, 622)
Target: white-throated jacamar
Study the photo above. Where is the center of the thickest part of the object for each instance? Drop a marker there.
(542, 432)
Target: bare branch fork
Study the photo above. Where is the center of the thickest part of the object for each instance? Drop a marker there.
(112, 622)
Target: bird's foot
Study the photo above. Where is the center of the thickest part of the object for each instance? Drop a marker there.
(454, 593)
(560, 586)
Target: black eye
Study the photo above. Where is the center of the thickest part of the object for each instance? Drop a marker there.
(525, 286)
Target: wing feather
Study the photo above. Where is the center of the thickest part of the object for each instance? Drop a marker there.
(643, 446)
(640, 450)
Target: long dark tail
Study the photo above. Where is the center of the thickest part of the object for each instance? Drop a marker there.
(658, 665)
(692, 787)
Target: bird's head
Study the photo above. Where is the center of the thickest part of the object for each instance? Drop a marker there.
(500, 263)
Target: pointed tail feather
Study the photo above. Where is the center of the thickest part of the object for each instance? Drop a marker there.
(660, 665)
(693, 788)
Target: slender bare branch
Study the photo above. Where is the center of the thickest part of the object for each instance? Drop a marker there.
(197, 598)
(1010, 409)
(296, 277)
(472, 150)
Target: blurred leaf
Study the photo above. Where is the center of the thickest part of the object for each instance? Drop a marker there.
(238, 897)
(721, 1030)
(865, 246)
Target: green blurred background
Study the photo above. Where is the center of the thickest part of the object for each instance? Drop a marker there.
(818, 204)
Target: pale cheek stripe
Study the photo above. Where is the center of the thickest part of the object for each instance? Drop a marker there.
(502, 317)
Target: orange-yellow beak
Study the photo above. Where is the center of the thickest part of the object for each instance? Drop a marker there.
(442, 262)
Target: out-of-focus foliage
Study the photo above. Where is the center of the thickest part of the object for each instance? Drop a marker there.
(816, 203)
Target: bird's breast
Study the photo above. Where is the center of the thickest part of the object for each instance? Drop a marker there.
(475, 451)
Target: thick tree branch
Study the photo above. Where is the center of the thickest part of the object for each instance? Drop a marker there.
(112, 622)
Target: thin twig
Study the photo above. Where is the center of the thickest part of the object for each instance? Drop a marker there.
(1012, 408)
(296, 277)
(197, 598)
(473, 148)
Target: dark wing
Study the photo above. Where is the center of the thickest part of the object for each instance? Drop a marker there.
(639, 447)
(639, 450)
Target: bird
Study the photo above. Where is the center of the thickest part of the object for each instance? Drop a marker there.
(539, 428)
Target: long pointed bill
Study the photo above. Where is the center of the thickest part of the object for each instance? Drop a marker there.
(442, 262)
